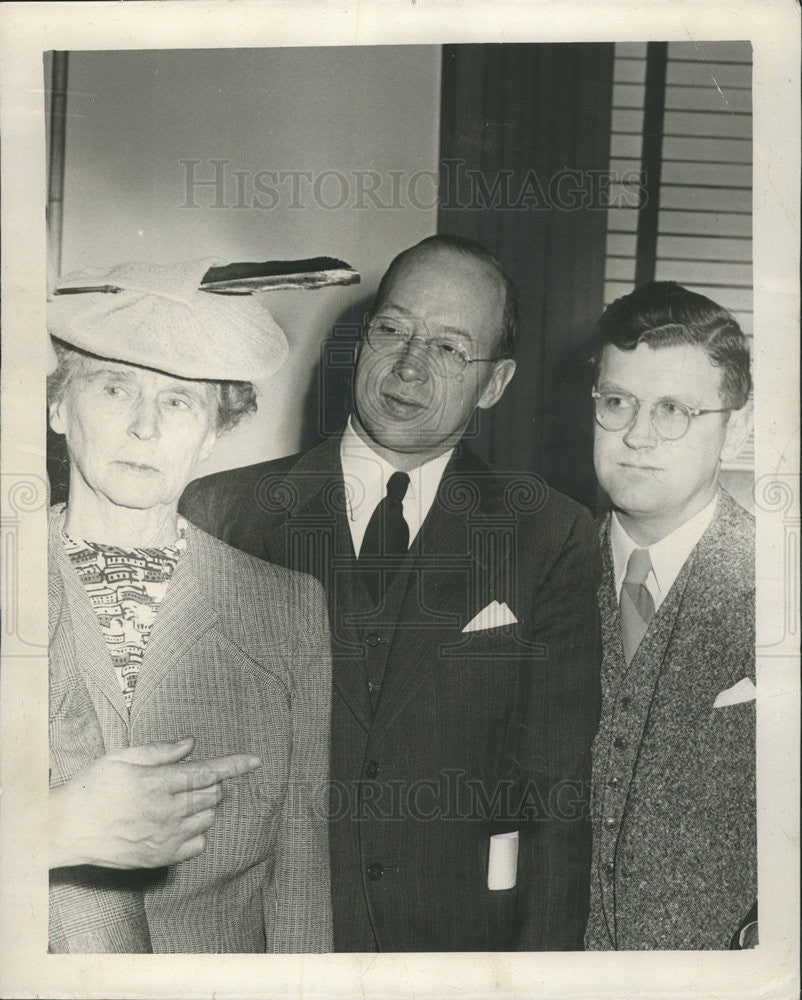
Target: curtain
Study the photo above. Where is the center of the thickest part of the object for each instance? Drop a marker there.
(525, 152)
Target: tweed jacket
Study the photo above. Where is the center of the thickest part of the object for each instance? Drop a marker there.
(476, 731)
(239, 658)
(674, 857)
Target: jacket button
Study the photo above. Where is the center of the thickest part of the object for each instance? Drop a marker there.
(375, 871)
(372, 769)
(620, 743)
(608, 868)
(625, 702)
(373, 638)
(614, 782)
(610, 823)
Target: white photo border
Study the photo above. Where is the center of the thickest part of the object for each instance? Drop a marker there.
(27, 31)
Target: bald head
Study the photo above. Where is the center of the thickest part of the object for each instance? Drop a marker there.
(434, 246)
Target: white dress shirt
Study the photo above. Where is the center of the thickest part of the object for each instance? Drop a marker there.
(668, 555)
(365, 474)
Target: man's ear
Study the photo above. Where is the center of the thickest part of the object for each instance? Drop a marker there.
(739, 426)
(502, 373)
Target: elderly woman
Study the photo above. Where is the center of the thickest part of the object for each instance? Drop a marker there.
(166, 642)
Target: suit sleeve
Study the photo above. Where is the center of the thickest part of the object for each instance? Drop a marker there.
(201, 505)
(561, 722)
(301, 921)
(226, 505)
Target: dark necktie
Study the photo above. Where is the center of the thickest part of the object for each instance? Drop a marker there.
(387, 533)
(384, 545)
(636, 604)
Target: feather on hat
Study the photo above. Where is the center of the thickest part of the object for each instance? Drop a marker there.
(159, 316)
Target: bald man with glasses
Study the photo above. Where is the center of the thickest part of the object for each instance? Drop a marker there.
(674, 855)
(466, 641)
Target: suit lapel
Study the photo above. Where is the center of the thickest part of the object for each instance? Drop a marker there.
(309, 532)
(307, 523)
(94, 658)
(184, 617)
(686, 678)
(701, 584)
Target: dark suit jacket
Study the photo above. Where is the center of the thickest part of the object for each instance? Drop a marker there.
(675, 859)
(474, 733)
(239, 659)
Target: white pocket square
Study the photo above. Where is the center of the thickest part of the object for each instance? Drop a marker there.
(492, 616)
(744, 690)
(502, 863)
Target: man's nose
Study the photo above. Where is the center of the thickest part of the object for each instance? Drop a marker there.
(413, 364)
(145, 420)
(641, 433)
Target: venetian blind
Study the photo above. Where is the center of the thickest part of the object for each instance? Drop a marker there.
(704, 195)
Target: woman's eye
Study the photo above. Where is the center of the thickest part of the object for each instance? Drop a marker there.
(114, 390)
(177, 403)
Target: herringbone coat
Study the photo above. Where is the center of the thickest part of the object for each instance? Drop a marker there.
(239, 658)
(674, 856)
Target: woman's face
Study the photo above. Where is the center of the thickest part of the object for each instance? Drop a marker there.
(134, 435)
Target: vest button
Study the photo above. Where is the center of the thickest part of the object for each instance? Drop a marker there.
(610, 823)
(620, 743)
(608, 868)
(372, 769)
(375, 871)
(626, 701)
(614, 782)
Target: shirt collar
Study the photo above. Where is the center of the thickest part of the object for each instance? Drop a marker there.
(365, 475)
(667, 556)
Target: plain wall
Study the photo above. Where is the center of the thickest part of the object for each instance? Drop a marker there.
(346, 116)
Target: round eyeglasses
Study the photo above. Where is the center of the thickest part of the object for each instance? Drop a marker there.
(617, 411)
(448, 353)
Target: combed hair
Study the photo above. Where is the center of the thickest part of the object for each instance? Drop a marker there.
(664, 314)
(234, 399)
(511, 316)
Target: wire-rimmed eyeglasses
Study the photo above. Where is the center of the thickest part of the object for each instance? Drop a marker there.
(618, 411)
(447, 353)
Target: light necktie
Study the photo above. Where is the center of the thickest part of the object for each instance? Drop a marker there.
(387, 533)
(636, 604)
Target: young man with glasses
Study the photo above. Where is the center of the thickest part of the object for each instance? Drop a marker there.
(465, 631)
(674, 861)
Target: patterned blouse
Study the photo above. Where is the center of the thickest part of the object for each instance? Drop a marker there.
(126, 588)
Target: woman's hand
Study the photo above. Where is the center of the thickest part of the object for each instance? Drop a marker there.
(142, 807)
